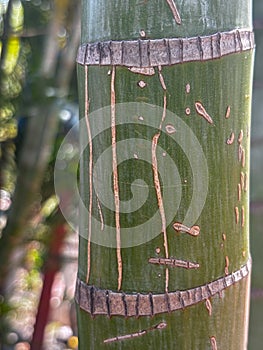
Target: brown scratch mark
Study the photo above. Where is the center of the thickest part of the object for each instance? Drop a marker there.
(143, 71)
(213, 343)
(187, 88)
(228, 110)
(241, 155)
(193, 231)
(239, 188)
(242, 180)
(243, 158)
(161, 78)
(237, 215)
(231, 139)
(115, 177)
(160, 326)
(240, 136)
(90, 171)
(245, 183)
(187, 111)
(101, 215)
(226, 265)
(200, 109)
(174, 263)
(158, 191)
(242, 216)
(208, 306)
(174, 10)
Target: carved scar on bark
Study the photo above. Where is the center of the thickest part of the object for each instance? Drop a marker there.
(193, 231)
(200, 109)
(158, 191)
(174, 263)
(90, 171)
(101, 215)
(175, 11)
(115, 178)
(161, 78)
(228, 110)
(231, 139)
(213, 343)
(159, 326)
(143, 71)
(208, 306)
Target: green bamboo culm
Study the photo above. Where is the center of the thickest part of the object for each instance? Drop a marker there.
(165, 96)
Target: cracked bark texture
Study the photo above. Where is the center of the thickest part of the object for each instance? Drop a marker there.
(194, 59)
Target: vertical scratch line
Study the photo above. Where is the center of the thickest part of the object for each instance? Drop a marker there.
(101, 215)
(90, 169)
(157, 186)
(175, 11)
(115, 177)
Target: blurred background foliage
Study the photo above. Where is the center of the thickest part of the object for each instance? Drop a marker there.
(38, 105)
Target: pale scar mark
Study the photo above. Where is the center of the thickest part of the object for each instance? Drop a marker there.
(142, 84)
(200, 109)
(242, 180)
(101, 215)
(157, 186)
(213, 343)
(90, 171)
(115, 177)
(226, 265)
(157, 250)
(175, 11)
(159, 326)
(239, 188)
(243, 158)
(240, 136)
(170, 129)
(142, 33)
(245, 182)
(193, 231)
(143, 70)
(231, 139)
(237, 215)
(174, 263)
(242, 216)
(228, 110)
(161, 78)
(187, 111)
(208, 306)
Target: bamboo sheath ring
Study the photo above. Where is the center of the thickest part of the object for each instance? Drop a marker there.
(97, 301)
(163, 52)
